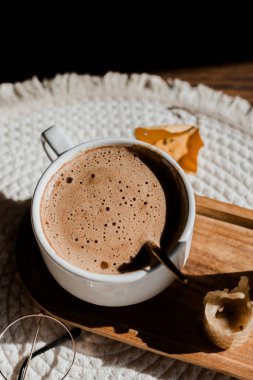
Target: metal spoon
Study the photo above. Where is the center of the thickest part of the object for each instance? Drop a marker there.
(164, 259)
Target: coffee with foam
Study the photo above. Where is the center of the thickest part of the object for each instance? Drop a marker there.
(100, 208)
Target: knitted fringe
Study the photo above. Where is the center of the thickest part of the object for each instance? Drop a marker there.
(33, 94)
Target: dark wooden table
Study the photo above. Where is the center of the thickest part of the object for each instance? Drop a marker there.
(233, 79)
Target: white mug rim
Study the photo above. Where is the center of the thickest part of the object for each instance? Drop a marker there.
(68, 156)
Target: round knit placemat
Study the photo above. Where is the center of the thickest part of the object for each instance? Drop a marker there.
(87, 107)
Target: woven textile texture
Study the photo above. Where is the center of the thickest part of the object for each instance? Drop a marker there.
(87, 107)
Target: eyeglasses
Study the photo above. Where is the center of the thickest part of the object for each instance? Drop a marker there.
(37, 346)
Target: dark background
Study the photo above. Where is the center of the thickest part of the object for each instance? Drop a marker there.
(154, 45)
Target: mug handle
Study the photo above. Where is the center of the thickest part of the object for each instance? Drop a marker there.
(54, 142)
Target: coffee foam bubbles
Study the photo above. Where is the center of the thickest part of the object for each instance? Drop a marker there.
(100, 208)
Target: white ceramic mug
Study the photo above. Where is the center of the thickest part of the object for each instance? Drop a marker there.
(102, 289)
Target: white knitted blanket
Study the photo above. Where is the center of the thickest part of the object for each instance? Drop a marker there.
(86, 107)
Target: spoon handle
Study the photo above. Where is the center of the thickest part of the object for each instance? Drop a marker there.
(169, 265)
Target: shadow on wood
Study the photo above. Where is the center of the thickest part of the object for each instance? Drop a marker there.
(170, 323)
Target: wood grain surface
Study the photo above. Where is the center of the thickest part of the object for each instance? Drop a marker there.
(233, 79)
(170, 323)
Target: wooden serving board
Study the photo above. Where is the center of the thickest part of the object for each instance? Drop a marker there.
(169, 324)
